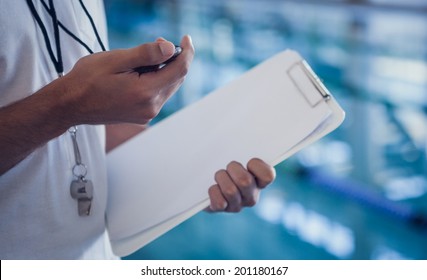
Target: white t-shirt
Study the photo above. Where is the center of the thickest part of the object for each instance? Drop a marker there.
(38, 216)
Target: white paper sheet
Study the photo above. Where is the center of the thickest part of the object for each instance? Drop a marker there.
(166, 172)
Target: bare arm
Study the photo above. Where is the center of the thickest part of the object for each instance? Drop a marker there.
(100, 89)
(120, 133)
(29, 123)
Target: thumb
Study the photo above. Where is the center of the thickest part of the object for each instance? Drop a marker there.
(147, 54)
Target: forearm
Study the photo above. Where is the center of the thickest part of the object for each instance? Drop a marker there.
(120, 133)
(30, 123)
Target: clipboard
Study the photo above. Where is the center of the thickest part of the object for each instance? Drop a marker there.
(161, 177)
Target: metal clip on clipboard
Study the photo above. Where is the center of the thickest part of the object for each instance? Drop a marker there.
(306, 80)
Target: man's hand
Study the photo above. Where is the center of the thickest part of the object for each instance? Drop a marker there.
(103, 88)
(237, 187)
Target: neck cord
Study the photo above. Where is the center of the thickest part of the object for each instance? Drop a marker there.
(68, 32)
(58, 63)
(93, 24)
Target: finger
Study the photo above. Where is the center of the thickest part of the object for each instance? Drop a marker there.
(178, 68)
(245, 183)
(172, 76)
(264, 173)
(187, 43)
(218, 201)
(229, 190)
(144, 55)
(187, 46)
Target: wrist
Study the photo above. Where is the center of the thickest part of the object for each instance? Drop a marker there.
(54, 108)
(65, 105)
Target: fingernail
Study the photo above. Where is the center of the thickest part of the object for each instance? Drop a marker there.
(190, 39)
(166, 48)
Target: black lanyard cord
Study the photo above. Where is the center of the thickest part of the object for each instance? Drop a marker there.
(58, 63)
(59, 67)
(57, 38)
(66, 30)
(93, 25)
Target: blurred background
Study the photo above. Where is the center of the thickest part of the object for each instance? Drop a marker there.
(359, 193)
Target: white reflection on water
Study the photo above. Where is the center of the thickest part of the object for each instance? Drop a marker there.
(308, 225)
